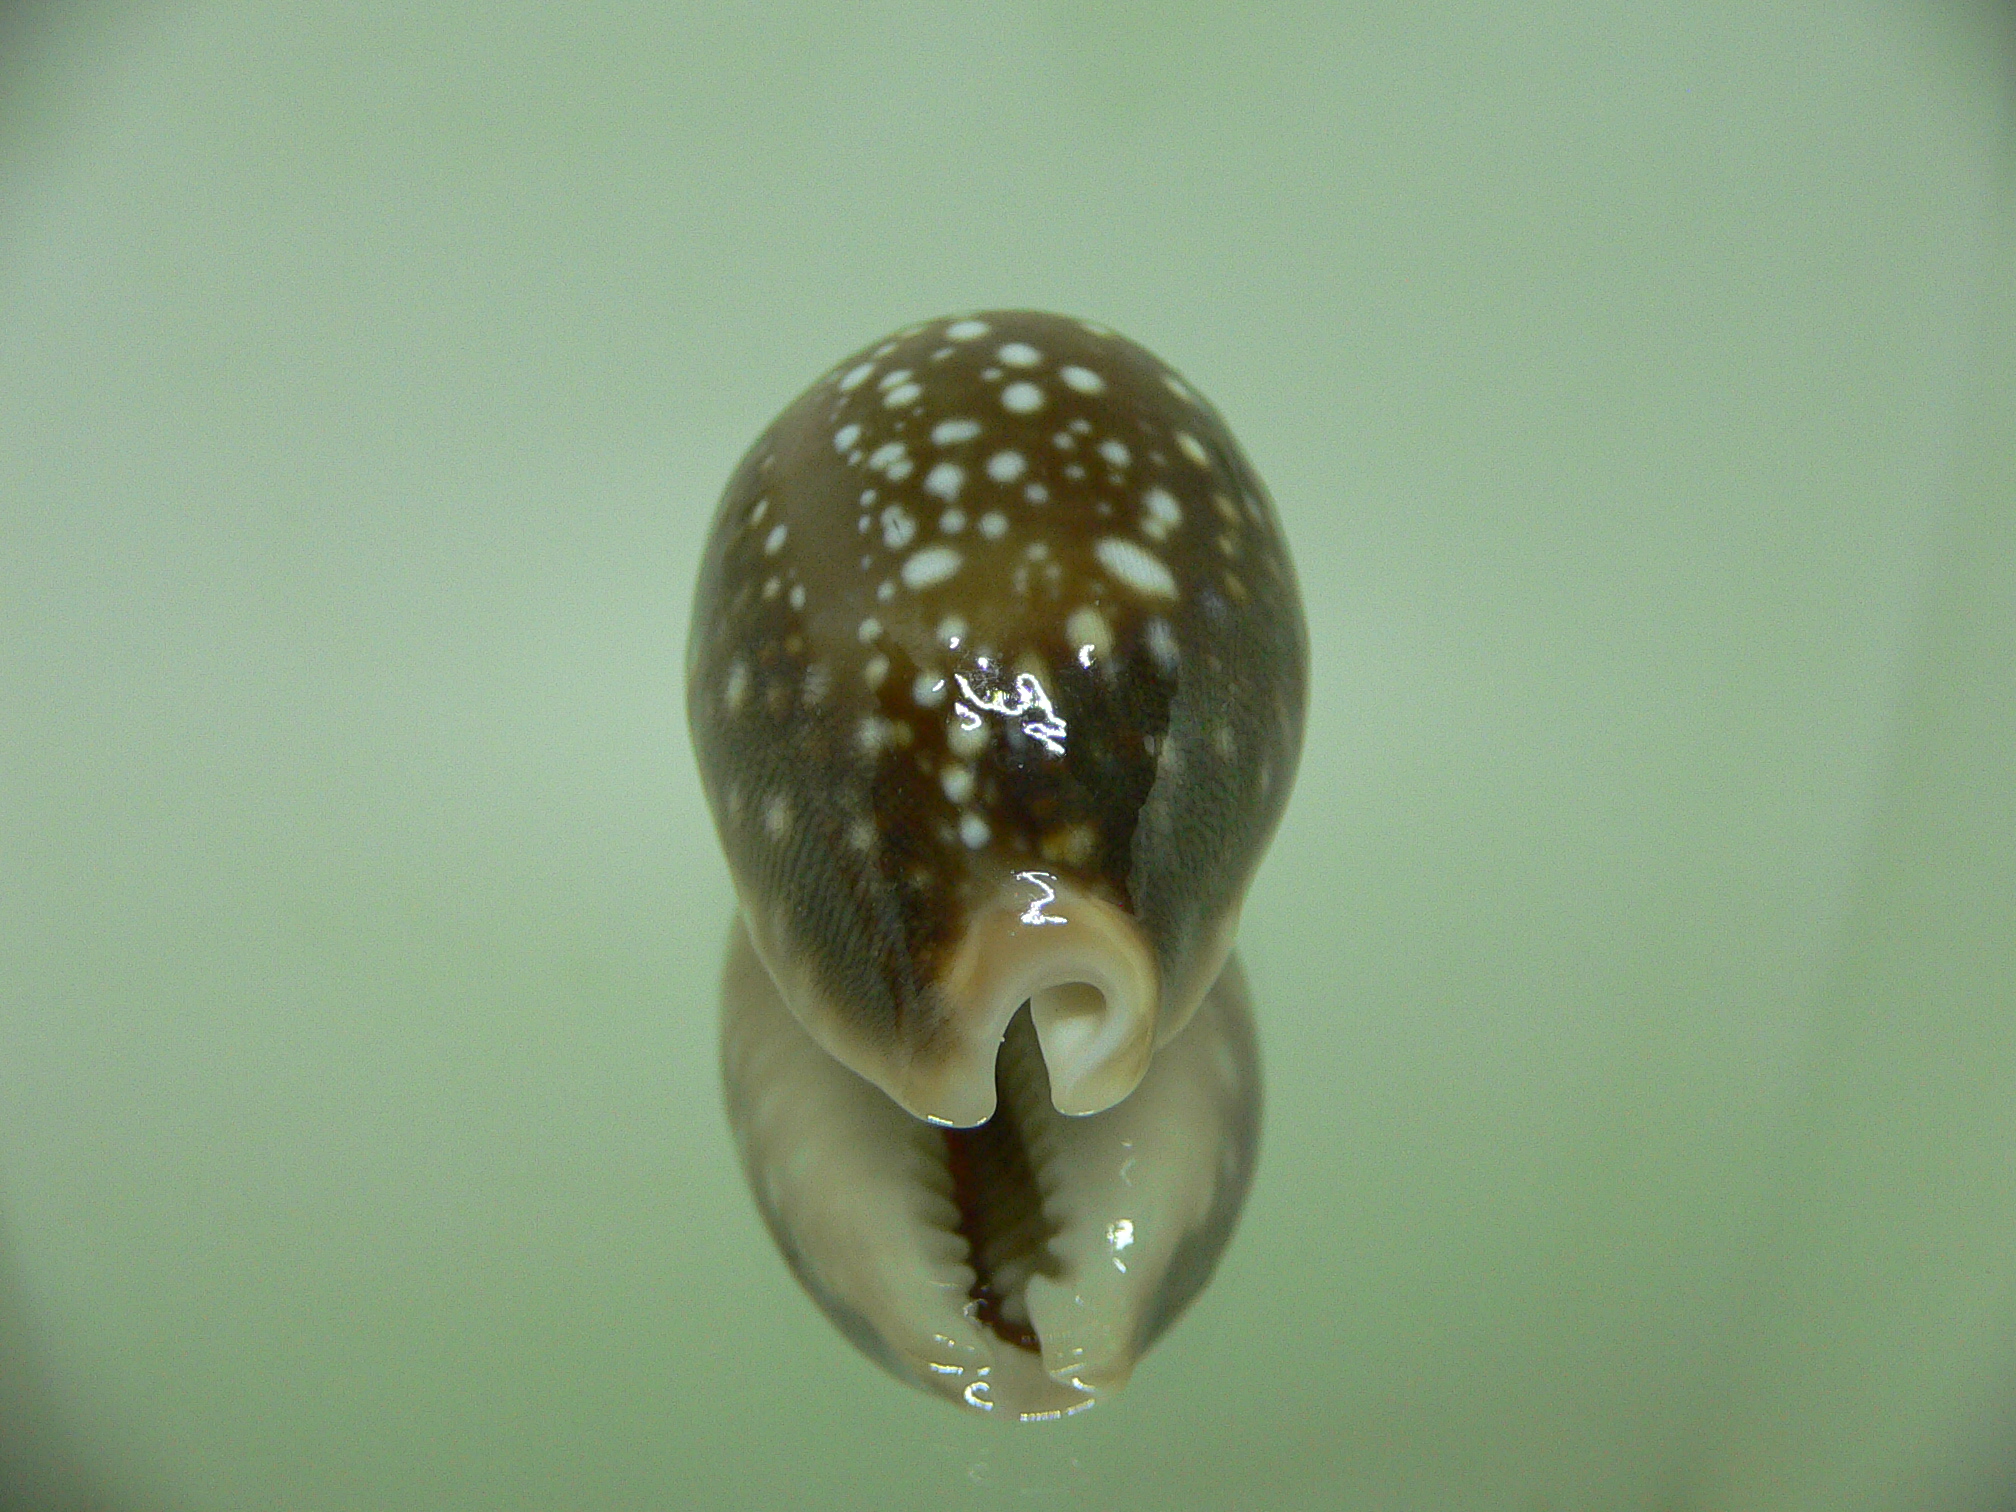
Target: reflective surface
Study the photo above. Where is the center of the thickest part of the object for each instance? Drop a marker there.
(1624, 384)
(1020, 1269)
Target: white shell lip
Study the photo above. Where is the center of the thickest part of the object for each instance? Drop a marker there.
(1094, 994)
(1084, 965)
(1138, 1201)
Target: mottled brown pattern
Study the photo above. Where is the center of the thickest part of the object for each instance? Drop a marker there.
(916, 518)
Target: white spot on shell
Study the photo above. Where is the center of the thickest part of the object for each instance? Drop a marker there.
(855, 377)
(993, 525)
(1116, 452)
(774, 542)
(1022, 398)
(845, 437)
(957, 781)
(934, 564)
(951, 630)
(777, 816)
(735, 687)
(818, 682)
(898, 528)
(1082, 379)
(1136, 567)
(1006, 466)
(1160, 514)
(1192, 448)
(952, 432)
(1036, 493)
(973, 831)
(952, 521)
(874, 670)
(966, 330)
(966, 739)
(892, 380)
(1019, 354)
(868, 629)
(1161, 644)
(861, 835)
(888, 453)
(902, 394)
(885, 591)
(945, 480)
(797, 596)
(927, 690)
(1089, 634)
(872, 734)
(757, 510)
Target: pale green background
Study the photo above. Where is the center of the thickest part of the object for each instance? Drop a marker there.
(1636, 385)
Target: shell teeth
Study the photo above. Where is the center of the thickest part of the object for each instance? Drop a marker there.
(880, 1230)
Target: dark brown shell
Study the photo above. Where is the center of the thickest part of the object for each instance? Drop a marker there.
(998, 596)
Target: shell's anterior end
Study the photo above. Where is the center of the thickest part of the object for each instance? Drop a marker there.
(1091, 982)
(951, 1089)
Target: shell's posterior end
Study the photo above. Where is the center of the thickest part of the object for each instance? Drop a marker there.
(1086, 971)
(1097, 1040)
(945, 1090)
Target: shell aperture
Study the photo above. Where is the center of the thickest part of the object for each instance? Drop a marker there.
(1032, 1298)
(996, 679)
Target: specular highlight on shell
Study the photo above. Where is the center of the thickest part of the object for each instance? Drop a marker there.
(996, 679)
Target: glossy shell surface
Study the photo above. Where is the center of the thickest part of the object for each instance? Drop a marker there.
(996, 679)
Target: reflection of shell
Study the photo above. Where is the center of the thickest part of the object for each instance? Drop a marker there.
(1022, 1268)
(996, 680)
